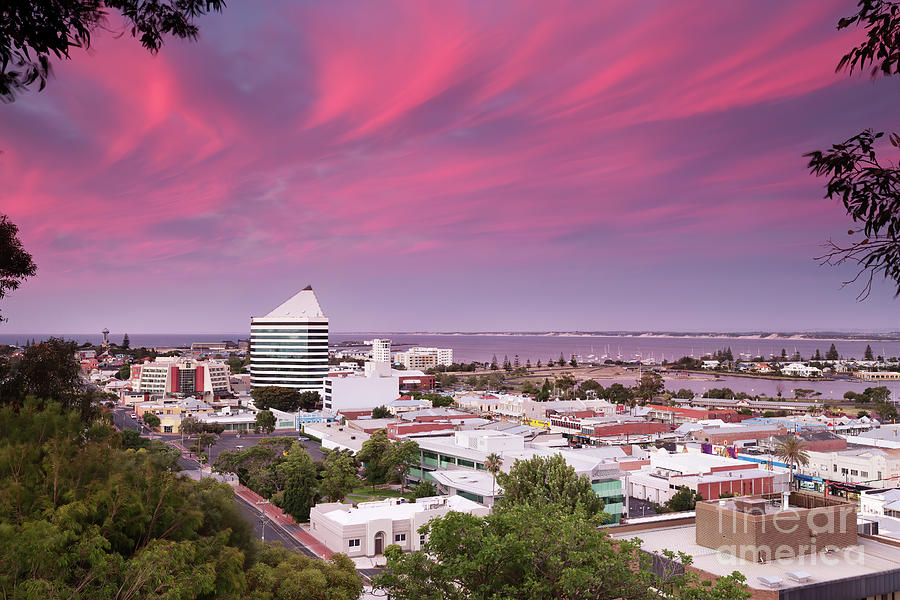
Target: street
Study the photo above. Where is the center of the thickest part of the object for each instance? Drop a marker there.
(273, 532)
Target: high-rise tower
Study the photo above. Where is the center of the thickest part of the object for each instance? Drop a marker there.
(289, 346)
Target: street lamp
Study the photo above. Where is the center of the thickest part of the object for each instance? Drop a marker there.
(262, 517)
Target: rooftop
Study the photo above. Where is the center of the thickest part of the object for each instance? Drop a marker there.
(395, 509)
(867, 557)
(302, 305)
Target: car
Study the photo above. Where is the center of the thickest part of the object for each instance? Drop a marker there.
(133, 416)
(239, 447)
(302, 439)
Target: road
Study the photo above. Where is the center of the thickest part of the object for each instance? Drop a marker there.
(273, 532)
(226, 442)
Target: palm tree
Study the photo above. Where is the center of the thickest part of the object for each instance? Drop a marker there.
(793, 451)
(492, 464)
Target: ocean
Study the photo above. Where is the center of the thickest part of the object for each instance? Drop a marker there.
(483, 347)
(534, 347)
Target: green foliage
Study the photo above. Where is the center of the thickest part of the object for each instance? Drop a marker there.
(15, 263)
(832, 353)
(236, 365)
(424, 489)
(339, 477)
(375, 455)
(126, 342)
(868, 355)
(886, 411)
(682, 500)
(437, 400)
(404, 455)
(870, 394)
(151, 420)
(257, 466)
(792, 450)
(280, 574)
(650, 386)
(301, 485)
(279, 398)
(684, 394)
(124, 372)
(546, 390)
(619, 394)
(32, 32)
(86, 513)
(542, 481)
(381, 412)
(687, 362)
(265, 421)
(536, 555)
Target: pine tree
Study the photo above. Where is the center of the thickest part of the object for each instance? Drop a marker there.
(494, 363)
(868, 355)
(818, 355)
(832, 353)
(562, 360)
(126, 343)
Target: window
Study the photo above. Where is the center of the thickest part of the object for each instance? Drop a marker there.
(354, 543)
(843, 471)
(400, 537)
(422, 539)
(863, 473)
(854, 472)
(835, 468)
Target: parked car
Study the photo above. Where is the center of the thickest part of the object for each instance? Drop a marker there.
(302, 439)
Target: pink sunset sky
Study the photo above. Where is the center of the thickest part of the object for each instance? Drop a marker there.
(445, 166)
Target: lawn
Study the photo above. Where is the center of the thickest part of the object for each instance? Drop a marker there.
(367, 494)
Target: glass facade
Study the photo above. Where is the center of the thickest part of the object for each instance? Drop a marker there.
(289, 353)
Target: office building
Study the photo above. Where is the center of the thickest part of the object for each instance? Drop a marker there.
(377, 386)
(381, 350)
(169, 376)
(289, 346)
(424, 358)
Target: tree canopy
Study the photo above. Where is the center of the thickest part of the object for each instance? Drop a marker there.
(867, 186)
(542, 481)
(33, 32)
(86, 513)
(16, 264)
(284, 399)
(537, 555)
(265, 421)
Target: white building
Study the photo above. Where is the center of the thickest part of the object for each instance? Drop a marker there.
(874, 467)
(377, 386)
(709, 475)
(370, 527)
(801, 370)
(880, 503)
(424, 358)
(289, 346)
(381, 350)
(181, 376)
